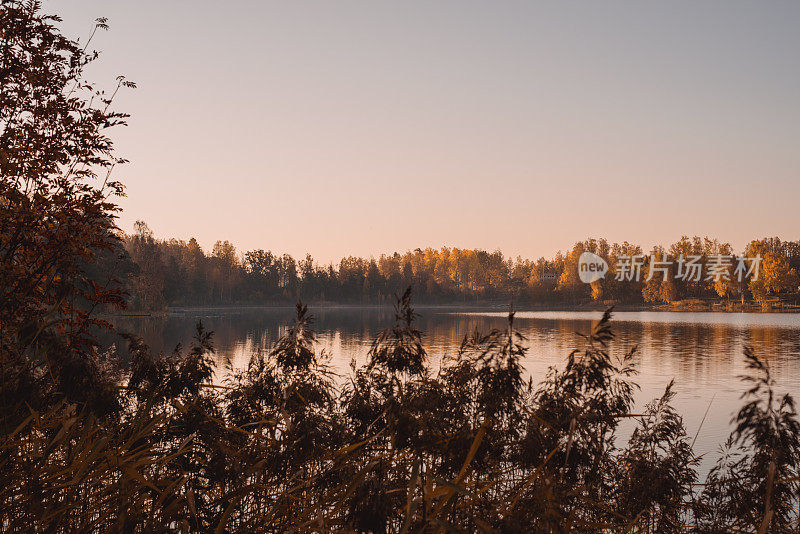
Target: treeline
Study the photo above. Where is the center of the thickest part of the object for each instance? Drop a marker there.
(178, 273)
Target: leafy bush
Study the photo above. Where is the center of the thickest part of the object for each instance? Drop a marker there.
(469, 447)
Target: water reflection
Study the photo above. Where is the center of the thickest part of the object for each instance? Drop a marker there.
(703, 352)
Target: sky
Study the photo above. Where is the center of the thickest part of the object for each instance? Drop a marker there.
(360, 128)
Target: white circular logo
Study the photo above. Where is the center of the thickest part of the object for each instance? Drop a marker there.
(591, 267)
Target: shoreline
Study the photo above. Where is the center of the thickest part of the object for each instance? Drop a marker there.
(690, 307)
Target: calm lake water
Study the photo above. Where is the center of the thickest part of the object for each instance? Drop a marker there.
(703, 352)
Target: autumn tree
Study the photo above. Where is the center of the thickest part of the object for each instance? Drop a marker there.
(569, 282)
(57, 209)
(148, 281)
(775, 274)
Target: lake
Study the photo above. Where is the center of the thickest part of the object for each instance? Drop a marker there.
(703, 352)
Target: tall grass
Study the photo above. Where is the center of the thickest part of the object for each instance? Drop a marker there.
(399, 446)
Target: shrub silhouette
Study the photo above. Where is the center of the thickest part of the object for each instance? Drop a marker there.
(471, 446)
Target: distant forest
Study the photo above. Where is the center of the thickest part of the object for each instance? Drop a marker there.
(160, 273)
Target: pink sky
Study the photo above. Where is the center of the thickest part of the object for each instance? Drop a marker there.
(341, 128)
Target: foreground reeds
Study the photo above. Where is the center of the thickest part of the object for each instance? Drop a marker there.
(395, 447)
